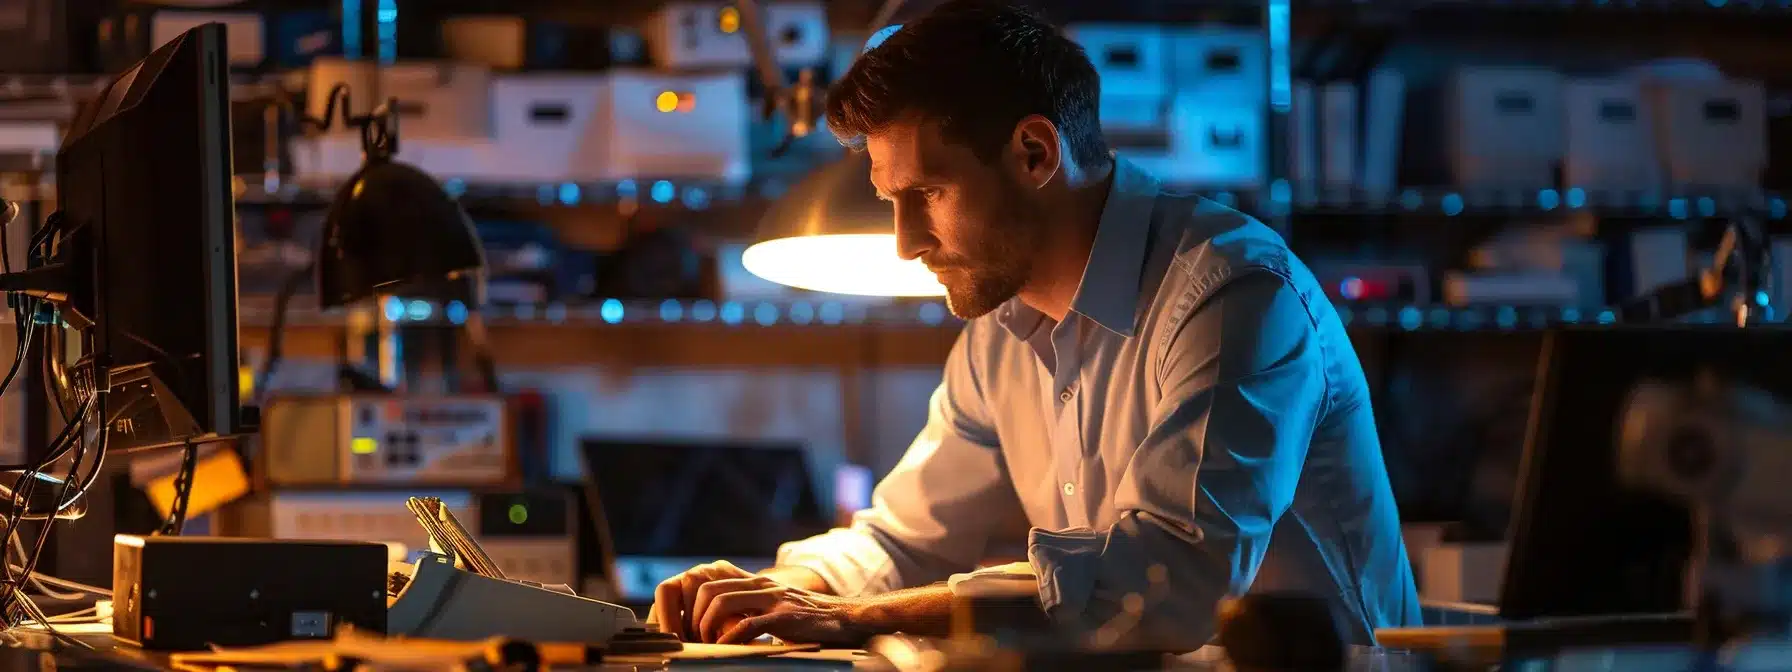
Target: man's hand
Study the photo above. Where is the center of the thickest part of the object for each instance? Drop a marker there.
(680, 603)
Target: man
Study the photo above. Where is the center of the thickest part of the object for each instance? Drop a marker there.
(1152, 398)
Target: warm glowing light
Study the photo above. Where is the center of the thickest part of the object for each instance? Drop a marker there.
(863, 264)
(667, 101)
(728, 20)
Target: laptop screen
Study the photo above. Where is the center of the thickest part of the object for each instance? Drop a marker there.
(692, 499)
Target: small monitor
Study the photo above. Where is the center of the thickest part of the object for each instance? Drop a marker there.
(673, 499)
(1582, 542)
(144, 190)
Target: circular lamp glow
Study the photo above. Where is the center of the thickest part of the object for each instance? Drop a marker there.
(830, 233)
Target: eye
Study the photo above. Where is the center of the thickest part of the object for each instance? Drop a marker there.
(930, 193)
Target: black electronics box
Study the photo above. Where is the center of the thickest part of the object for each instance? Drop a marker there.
(189, 593)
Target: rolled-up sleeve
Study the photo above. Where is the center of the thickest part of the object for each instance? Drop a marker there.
(1243, 385)
(937, 511)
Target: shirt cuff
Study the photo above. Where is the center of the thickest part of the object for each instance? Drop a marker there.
(1010, 580)
(848, 560)
(1068, 563)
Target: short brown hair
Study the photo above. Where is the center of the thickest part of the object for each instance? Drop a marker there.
(978, 67)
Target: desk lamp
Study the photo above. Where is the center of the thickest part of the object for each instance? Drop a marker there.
(830, 233)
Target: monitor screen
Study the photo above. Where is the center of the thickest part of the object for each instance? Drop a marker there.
(674, 499)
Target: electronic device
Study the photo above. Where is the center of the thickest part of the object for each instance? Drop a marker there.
(134, 231)
(458, 592)
(654, 495)
(362, 515)
(531, 534)
(697, 35)
(189, 593)
(384, 439)
(1583, 542)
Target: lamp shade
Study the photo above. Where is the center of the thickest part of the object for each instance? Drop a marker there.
(831, 233)
(391, 229)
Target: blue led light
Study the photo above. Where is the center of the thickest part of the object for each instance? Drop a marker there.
(696, 198)
(1761, 298)
(1506, 317)
(455, 187)
(832, 312)
(765, 314)
(1677, 208)
(1411, 199)
(1571, 315)
(1451, 204)
(1548, 199)
(1577, 197)
(394, 309)
(419, 310)
(703, 311)
(1607, 317)
(1776, 208)
(569, 194)
(1280, 191)
(932, 313)
(456, 313)
(732, 313)
(1707, 206)
(1410, 318)
(663, 192)
(546, 194)
(611, 311)
(802, 312)
(671, 311)
(556, 313)
(626, 189)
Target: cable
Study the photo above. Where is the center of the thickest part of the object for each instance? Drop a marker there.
(277, 332)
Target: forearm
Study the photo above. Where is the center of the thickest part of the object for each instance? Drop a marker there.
(925, 611)
(798, 577)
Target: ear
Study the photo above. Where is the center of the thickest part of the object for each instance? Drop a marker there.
(1036, 149)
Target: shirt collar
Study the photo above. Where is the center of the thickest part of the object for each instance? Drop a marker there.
(1108, 293)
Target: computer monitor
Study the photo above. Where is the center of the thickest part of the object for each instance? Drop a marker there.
(661, 498)
(147, 214)
(1582, 542)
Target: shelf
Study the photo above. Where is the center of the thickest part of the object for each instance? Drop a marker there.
(257, 312)
(1497, 202)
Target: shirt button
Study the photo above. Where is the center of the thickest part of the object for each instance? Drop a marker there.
(1069, 489)
(1064, 396)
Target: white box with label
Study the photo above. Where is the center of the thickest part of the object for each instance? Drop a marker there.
(1711, 134)
(1226, 64)
(439, 100)
(655, 125)
(1610, 136)
(541, 126)
(1507, 130)
(685, 35)
(1203, 145)
(1133, 60)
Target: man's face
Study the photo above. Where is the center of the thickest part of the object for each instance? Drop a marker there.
(975, 224)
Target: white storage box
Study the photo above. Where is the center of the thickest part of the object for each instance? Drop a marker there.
(709, 34)
(1712, 134)
(1226, 64)
(542, 128)
(439, 100)
(1610, 136)
(1132, 59)
(1204, 145)
(621, 126)
(1508, 127)
(672, 125)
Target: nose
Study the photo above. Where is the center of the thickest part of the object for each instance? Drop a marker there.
(913, 239)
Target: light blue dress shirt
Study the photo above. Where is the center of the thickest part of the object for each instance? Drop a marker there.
(1197, 427)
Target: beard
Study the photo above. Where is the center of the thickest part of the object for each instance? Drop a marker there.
(997, 263)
